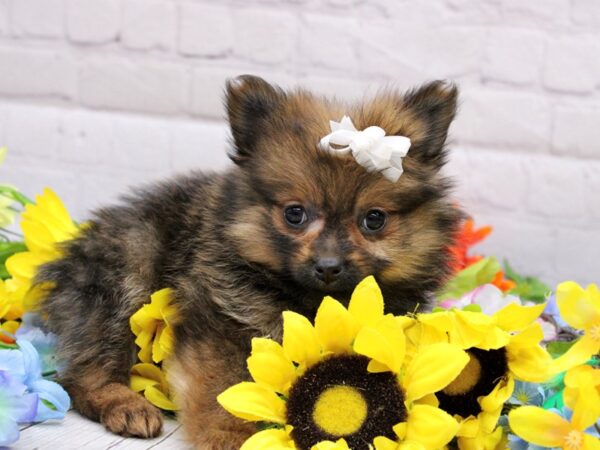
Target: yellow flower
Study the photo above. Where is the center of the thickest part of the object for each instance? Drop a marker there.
(545, 428)
(151, 380)
(502, 348)
(45, 224)
(345, 381)
(582, 393)
(151, 326)
(11, 307)
(581, 310)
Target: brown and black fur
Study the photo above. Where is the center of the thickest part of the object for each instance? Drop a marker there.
(220, 241)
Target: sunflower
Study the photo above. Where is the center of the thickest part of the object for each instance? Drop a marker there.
(502, 348)
(151, 325)
(45, 224)
(346, 382)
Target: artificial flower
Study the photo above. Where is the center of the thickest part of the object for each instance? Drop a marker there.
(502, 347)
(548, 429)
(45, 224)
(16, 405)
(527, 394)
(54, 401)
(347, 377)
(151, 381)
(24, 395)
(582, 393)
(32, 330)
(466, 238)
(11, 307)
(151, 325)
(580, 308)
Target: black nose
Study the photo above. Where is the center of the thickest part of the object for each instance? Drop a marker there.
(328, 269)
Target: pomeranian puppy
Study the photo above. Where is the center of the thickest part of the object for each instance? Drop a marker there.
(288, 224)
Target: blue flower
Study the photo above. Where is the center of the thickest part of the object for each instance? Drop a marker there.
(54, 400)
(553, 311)
(24, 367)
(16, 405)
(32, 330)
(527, 394)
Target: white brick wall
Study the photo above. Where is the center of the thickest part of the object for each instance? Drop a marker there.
(96, 95)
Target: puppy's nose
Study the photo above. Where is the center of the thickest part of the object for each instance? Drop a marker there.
(328, 269)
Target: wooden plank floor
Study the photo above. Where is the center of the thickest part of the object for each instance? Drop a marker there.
(77, 432)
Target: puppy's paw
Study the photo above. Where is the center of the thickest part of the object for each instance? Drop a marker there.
(133, 418)
(124, 412)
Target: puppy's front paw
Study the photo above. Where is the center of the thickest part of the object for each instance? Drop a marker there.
(129, 414)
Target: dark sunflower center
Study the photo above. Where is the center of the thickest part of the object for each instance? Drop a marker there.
(479, 377)
(338, 398)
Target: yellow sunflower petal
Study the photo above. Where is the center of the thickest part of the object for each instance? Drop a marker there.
(138, 383)
(470, 328)
(499, 395)
(335, 326)
(300, 340)
(157, 354)
(366, 304)
(528, 337)
(469, 427)
(383, 443)
(268, 365)
(38, 238)
(432, 369)
(341, 444)
(384, 343)
(411, 445)
(430, 426)
(254, 402)
(514, 317)
(573, 305)
(494, 339)
(151, 372)
(539, 426)
(578, 354)
(532, 364)
(272, 439)
(158, 398)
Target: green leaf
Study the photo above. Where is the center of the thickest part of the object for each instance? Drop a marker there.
(555, 401)
(466, 280)
(12, 192)
(527, 288)
(472, 307)
(48, 404)
(8, 249)
(5, 346)
(558, 348)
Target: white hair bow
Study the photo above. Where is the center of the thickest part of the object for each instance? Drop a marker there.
(371, 148)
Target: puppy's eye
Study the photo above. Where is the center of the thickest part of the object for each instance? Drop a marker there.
(374, 220)
(295, 215)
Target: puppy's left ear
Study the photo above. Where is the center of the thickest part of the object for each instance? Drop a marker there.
(251, 103)
(434, 104)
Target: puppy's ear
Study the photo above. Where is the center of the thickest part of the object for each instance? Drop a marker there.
(435, 105)
(251, 103)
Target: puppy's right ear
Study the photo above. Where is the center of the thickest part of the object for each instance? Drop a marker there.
(251, 102)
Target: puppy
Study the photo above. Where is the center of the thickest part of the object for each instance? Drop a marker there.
(288, 224)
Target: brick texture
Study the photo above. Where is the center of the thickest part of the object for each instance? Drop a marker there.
(99, 95)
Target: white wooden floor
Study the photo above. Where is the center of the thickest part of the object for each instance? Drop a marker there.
(76, 432)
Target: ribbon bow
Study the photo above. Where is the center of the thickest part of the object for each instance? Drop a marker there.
(371, 148)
